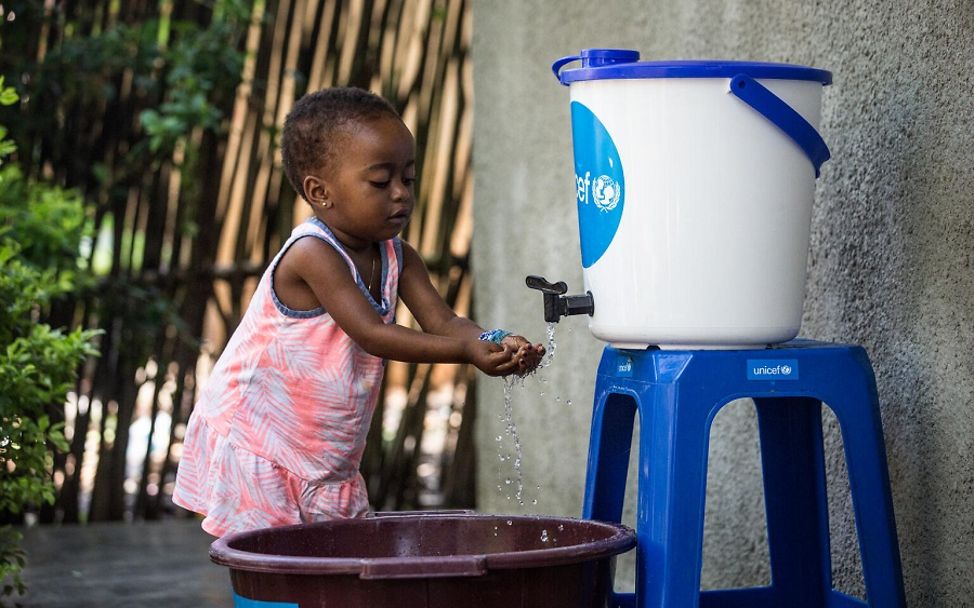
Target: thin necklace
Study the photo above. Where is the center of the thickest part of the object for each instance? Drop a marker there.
(371, 273)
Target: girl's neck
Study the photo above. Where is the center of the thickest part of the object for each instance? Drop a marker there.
(351, 243)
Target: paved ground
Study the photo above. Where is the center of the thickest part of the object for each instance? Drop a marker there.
(123, 565)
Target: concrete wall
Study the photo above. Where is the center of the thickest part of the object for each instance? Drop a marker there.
(890, 264)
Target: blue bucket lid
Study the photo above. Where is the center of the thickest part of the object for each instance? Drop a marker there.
(601, 64)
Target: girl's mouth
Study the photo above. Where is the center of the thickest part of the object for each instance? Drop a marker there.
(400, 216)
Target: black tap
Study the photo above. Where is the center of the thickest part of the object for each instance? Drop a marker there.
(557, 305)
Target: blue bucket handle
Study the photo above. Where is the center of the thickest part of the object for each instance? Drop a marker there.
(783, 116)
(560, 63)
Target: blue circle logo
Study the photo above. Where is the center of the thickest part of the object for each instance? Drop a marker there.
(600, 185)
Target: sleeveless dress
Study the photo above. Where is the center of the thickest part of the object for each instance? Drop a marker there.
(279, 431)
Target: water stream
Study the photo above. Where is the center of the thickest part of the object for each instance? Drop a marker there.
(549, 355)
(510, 427)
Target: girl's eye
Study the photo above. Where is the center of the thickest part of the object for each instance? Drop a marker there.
(380, 184)
(409, 181)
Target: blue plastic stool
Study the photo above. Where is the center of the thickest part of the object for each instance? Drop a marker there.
(677, 395)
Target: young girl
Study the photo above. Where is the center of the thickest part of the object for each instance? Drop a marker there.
(279, 431)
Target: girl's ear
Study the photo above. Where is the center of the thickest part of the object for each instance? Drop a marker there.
(316, 191)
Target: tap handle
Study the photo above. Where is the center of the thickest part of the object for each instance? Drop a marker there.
(541, 284)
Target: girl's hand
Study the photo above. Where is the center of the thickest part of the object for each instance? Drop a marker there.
(492, 359)
(527, 355)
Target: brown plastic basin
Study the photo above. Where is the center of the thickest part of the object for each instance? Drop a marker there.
(425, 560)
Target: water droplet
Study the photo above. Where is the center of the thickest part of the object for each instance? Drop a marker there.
(534, 502)
(541, 394)
(507, 481)
(499, 438)
(568, 403)
(544, 536)
(561, 527)
(557, 398)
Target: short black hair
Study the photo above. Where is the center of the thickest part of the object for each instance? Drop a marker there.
(310, 129)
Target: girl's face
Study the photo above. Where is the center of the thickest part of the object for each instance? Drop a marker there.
(369, 191)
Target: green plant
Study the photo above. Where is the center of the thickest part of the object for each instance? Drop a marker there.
(202, 68)
(203, 65)
(12, 562)
(40, 228)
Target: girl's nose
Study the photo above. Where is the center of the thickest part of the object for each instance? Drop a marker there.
(400, 191)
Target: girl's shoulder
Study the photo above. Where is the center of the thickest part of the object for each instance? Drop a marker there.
(307, 269)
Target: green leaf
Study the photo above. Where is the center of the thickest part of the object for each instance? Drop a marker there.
(8, 96)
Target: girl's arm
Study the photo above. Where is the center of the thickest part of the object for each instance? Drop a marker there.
(426, 304)
(327, 274)
(435, 317)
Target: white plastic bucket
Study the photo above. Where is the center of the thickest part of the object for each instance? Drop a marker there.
(694, 183)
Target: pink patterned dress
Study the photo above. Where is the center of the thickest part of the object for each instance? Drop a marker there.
(278, 433)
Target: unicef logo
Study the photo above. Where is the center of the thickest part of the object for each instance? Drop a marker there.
(600, 183)
(606, 193)
(772, 369)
